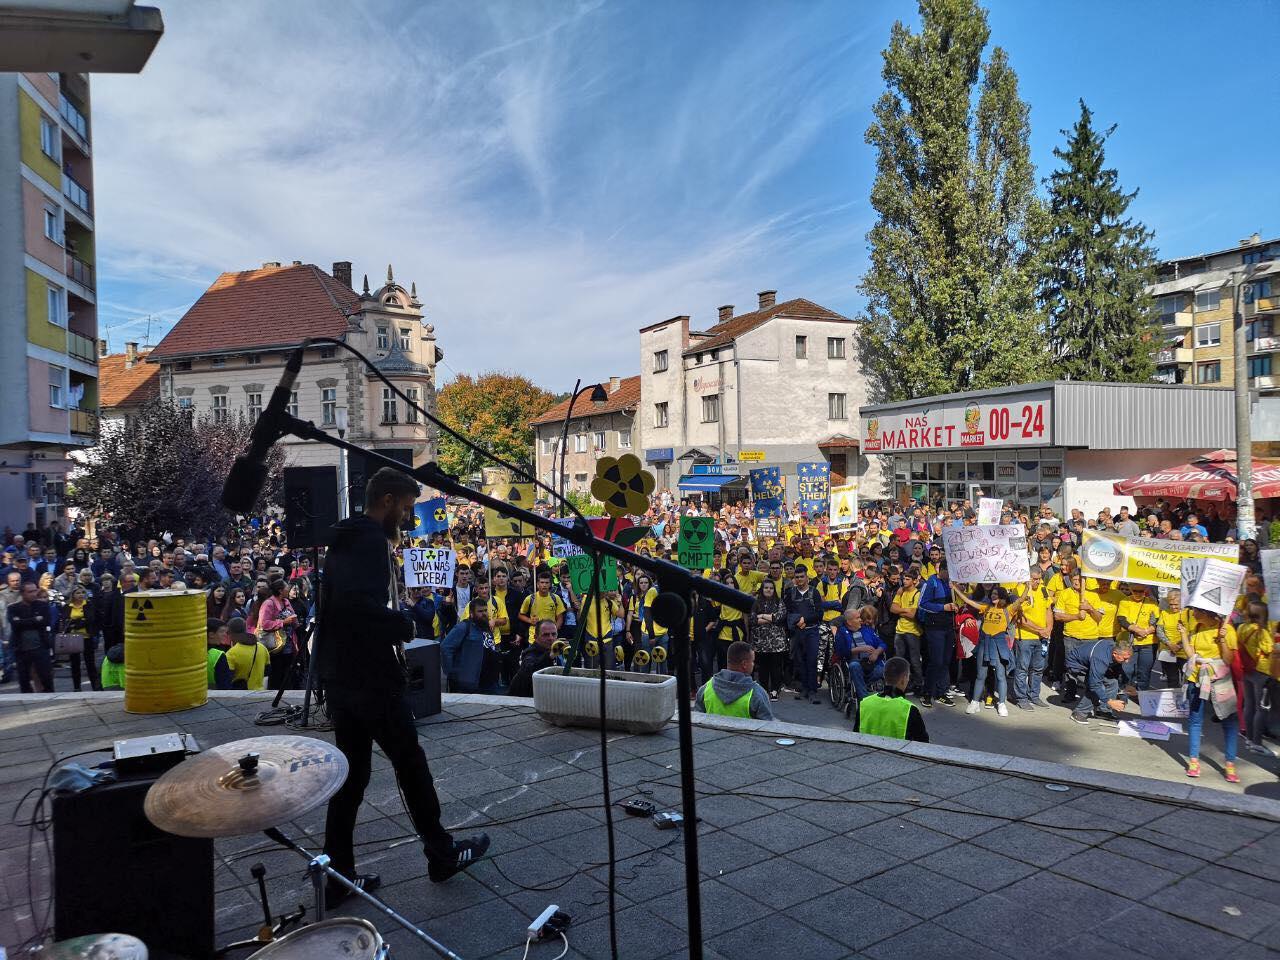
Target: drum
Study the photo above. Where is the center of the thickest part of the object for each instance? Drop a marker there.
(338, 938)
(102, 946)
(165, 655)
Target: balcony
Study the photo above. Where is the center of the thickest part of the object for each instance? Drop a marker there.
(75, 119)
(1269, 382)
(1182, 320)
(1266, 345)
(77, 194)
(84, 422)
(82, 348)
(1173, 355)
(79, 271)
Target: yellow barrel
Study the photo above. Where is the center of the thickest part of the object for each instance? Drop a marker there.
(164, 651)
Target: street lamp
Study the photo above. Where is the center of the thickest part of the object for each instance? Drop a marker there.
(1244, 431)
(344, 502)
(598, 397)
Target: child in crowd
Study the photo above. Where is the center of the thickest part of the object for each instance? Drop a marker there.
(994, 645)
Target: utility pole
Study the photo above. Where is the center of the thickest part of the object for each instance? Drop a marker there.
(1245, 527)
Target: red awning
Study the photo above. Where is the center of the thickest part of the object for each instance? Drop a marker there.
(1211, 477)
(838, 441)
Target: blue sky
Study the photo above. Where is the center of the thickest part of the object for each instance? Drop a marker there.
(556, 175)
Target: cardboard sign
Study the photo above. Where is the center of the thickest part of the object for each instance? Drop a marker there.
(696, 547)
(987, 554)
(1163, 703)
(1189, 576)
(989, 512)
(1144, 559)
(429, 566)
(560, 547)
(844, 506)
(767, 527)
(580, 568)
(767, 492)
(516, 494)
(1271, 577)
(814, 487)
(1217, 587)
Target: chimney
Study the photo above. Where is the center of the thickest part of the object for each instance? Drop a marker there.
(270, 263)
(614, 383)
(767, 298)
(1248, 241)
(102, 348)
(342, 272)
(131, 353)
(297, 263)
(726, 312)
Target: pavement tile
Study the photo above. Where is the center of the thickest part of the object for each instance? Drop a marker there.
(1156, 854)
(780, 883)
(801, 942)
(1225, 828)
(783, 761)
(641, 935)
(941, 781)
(780, 832)
(723, 907)
(841, 816)
(1093, 946)
(917, 890)
(726, 810)
(828, 752)
(1134, 879)
(1047, 892)
(732, 775)
(720, 851)
(1009, 799)
(962, 826)
(479, 783)
(903, 839)
(929, 941)
(845, 859)
(987, 920)
(1206, 903)
(1235, 874)
(882, 764)
(1154, 933)
(555, 823)
(852, 918)
(974, 866)
(836, 779)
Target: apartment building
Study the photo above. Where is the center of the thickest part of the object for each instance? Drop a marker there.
(226, 355)
(602, 424)
(1195, 299)
(48, 304)
(778, 386)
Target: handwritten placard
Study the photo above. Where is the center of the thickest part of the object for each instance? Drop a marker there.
(989, 511)
(1217, 587)
(429, 566)
(987, 554)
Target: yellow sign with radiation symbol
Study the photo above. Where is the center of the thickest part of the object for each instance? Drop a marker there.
(844, 506)
(518, 495)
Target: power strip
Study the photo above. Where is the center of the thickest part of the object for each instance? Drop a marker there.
(535, 928)
(550, 923)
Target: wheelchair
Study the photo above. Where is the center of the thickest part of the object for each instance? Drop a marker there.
(843, 693)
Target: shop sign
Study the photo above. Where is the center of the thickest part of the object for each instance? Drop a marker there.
(752, 456)
(962, 425)
(1050, 471)
(659, 454)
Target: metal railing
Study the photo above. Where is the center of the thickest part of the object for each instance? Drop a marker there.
(82, 348)
(74, 192)
(84, 422)
(71, 113)
(79, 271)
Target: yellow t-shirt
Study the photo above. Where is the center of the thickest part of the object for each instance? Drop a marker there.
(1057, 583)
(1169, 620)
(538, 607)
(830, 592)
(927, 570)
(1258, 640)
(908, 599)
(1068, 603)
(729, 615)
(808, 564)
(248, 663)
(499, 604)
(659, 631)
(1106, 604)
(995, 620)
(606, 611)
(1204, 641)
(1140, 613)
(749, 581)
(1036, 608)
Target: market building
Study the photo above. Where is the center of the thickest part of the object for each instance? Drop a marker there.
(1064, 443)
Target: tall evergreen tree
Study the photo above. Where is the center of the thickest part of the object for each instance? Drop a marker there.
(951, 286)
(1097, 264)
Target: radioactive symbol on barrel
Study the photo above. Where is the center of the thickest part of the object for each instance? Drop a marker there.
(141, 605)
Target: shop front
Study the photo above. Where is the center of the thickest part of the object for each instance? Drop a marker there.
(1060, 443)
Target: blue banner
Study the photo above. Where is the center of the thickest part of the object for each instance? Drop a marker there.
(767, 494)
(430, 516)
(814, 488)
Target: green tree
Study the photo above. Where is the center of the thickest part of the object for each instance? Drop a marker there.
(951, 286)
(493, 410)
(1097, 263)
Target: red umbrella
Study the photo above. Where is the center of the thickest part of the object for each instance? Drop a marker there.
(1210, 477)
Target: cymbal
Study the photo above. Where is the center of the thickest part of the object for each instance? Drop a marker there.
(245, 786)
(99, 946)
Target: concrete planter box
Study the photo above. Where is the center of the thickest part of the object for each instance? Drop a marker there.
(635, 702)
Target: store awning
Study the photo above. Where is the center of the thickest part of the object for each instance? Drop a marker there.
(708, 482)
(1211, 477)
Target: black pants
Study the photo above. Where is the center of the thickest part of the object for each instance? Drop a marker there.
(39, 660)
(280, 674)
(90, 657)
(361, 719)
(769, 670)
(508, 661)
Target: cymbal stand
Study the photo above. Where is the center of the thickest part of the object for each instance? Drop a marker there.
(270, 929)
(319, 870)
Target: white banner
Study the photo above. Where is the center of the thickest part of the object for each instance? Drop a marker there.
(989, 512)
(429, 566)
(1271, 577)
(987, 554)
(844, 506)
(560, 547)
(1217, 586)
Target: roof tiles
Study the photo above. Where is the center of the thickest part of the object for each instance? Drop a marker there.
(121, 385)
(626, 397)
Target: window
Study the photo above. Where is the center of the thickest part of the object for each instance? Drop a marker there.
(293, 403)
(802, 348)
(1167, 307)
(835, 405)
(1209, 372)
(184, 403)
(1260, 366)
(410, 411)
(328, 353)
(218, 362)
(1209, 335)
(388, 406)
(329, 405)
(1258, 289)
(182, 365)
(219, 408)
(384, 339)
(659, 414)
(57, 391)
(57, 307)
(405, 335)
(253, 359)
(715, 355)
(835, 348)
(1262, 327)
(1208, 300)
(659, 361)
(548, 445)
(710, 409)
(255, 407)
(697, 358)
(50, 141)
(624, 439)
(1253, 256)
(599, 439)
(579, 443)
(52, 224)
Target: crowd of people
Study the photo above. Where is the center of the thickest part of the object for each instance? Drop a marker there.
(833, 610)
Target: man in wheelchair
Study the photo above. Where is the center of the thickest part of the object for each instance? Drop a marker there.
(860, 652)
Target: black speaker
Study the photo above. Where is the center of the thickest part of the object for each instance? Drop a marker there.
(310, 505)
(113, 870)
(422, 657)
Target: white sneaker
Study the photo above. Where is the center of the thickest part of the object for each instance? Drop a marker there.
(1002, 709)
(974, 706)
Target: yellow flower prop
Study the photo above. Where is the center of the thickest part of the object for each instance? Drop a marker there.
(559, 648)
(622, 485)
(641, 658)
(591, 648)
(619, 654)
(659, 654)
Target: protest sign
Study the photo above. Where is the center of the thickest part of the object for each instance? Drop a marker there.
(1163, 703)
(696, 547)
(1217, 587)
(560, 547)
(518, 495)
(430, 516)
(844, 506)
(989, 511)
(1144, 559)
(1189, 576)
(1271, 578)
(580, 568)
(814, 487)
(767, 527)
(1148, 729)
(987, 554)
(766, 492)
(429, 566)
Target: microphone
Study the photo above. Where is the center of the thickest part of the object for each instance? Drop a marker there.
(248, 474)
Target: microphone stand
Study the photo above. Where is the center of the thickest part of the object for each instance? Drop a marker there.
(675, 579)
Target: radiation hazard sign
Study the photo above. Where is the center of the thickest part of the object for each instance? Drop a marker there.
(844, 506)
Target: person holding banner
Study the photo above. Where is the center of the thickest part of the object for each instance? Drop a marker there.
(1033, 631)
(1210, 648)
(1260, 658)
(1136, 617)
(993, 653)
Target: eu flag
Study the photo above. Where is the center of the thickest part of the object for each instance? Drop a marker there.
(430, 516)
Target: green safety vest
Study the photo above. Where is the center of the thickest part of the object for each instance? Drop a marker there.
(112, 675)
(739, 708)
(884, 716)
(211, 663)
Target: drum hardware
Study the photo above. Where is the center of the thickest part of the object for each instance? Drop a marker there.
(347, 937)
(101, 946)
(270, 930)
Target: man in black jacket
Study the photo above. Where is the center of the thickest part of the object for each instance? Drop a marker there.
(360, 657)
(29, 628)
